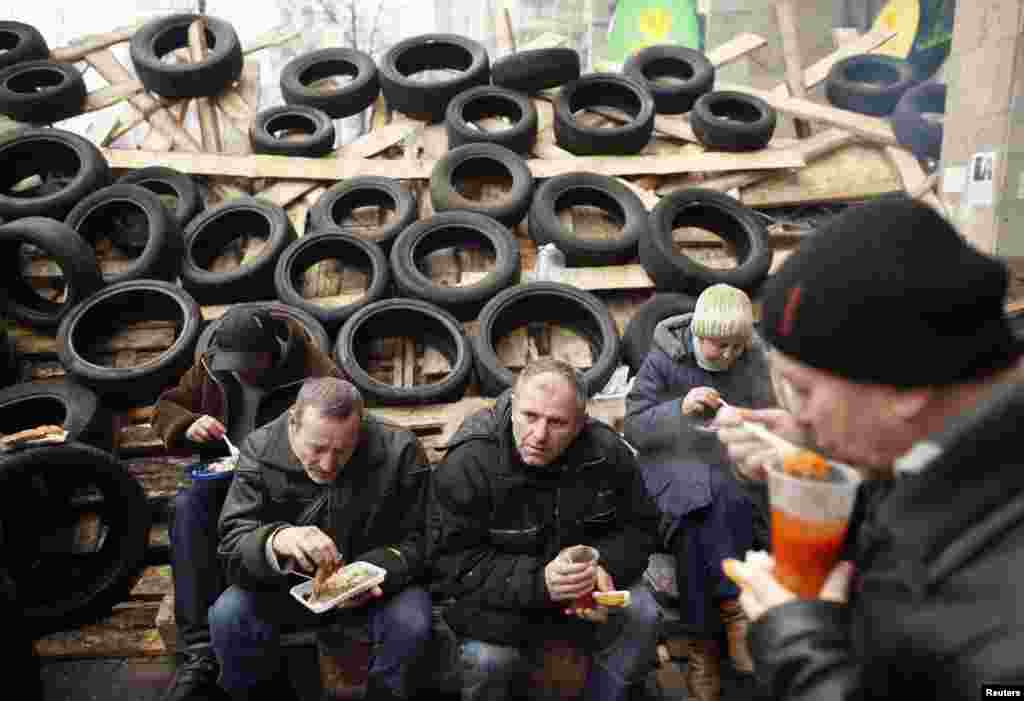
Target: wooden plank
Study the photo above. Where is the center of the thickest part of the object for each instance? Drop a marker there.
(94, 42)
(812, 149)
(248, 86)
(370, 144)
(107, 65)
(736, 48)
(856, 171)
(786, 18)
(334, 169)
(871, 128)
(209, 127)
(917, 184)
(110, 95)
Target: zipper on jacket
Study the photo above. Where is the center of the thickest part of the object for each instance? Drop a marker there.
(558, 519)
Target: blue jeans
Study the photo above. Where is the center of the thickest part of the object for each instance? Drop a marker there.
(247, 626)
(198, 577)
(723, 529)
(488, 670)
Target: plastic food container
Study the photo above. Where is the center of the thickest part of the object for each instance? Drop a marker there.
(209, 470)
(373, 576)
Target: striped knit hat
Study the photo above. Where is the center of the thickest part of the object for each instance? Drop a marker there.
(723, 311)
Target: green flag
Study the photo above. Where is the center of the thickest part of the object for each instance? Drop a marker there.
(641, 23)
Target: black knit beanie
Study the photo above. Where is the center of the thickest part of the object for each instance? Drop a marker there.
(889, 293)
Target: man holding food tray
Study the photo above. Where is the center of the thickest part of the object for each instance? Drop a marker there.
(322, 485)
(250, 375)
(890, 337)
(537, 514)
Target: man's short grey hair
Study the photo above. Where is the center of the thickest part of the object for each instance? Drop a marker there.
(331, 396)
(564, 370)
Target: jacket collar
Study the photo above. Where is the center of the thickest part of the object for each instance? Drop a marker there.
(972, 474)
(582, 454)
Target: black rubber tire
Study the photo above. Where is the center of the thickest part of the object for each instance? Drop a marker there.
(389, 317)
(132, 208)
(489, 100)
(210, 231)
(429, 99)
(869, 83)
(315, 127)
(922, 136)
(694, 75)
(732, 121)
(165, 182)
(577, 309)
(314, 330)
(73, 406)
(10, 369)
(537, 69)
(61, 592)
(607, 90)
(482, 159)
(714, 212)
(364, 191)
(67, 248)
(21, 42)
(134, 300)
(351, 98)
(41, 92)
(73, 163)
(309, 250)
(443, 231)
(574, 189)
(636, 338)
(220, 68)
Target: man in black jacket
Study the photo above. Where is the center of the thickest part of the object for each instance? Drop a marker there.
(321, 484)
(892, 344)
(522, 483)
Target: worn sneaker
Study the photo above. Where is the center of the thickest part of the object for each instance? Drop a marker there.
(196, 679)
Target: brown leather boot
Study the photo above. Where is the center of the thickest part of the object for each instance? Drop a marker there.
(736, 625)
(703, 670)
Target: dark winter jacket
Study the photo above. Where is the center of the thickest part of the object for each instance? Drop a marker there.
(675, 457)
(495, 523)
(937, 602)
(373, 511)
(201, 391)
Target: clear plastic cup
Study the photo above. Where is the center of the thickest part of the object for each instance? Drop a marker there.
(578, 554)
(809, 522)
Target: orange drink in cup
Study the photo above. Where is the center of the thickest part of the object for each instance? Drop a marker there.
(810, 516)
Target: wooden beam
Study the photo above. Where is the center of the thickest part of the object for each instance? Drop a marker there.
(93, 42)
(916, 183)
(794, 62)
(735, 49)
(285, 192)
(209, 126)
(107, 65)
(811, 149)
(295, 168)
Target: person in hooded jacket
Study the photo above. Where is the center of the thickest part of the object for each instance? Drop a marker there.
(522, 483)
(889, 330)
(701, 363)
(323, 484)
(250, 375)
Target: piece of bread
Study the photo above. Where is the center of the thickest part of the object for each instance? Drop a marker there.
(46, 432)
(612, 599)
